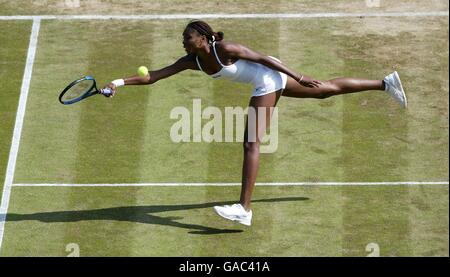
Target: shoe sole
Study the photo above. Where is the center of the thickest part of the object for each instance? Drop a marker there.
(233, 218)
(399, 84)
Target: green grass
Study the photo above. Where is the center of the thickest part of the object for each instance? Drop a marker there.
(360, 137)
(29, 7)
(351, 138)
(14, 37)
(288, 221)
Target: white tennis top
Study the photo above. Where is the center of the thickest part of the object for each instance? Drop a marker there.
(242, 71)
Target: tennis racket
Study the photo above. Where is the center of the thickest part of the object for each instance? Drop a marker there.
(81, 89)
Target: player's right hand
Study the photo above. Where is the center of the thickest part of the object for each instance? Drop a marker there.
(111, 87)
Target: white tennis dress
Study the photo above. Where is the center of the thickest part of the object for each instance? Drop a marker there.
(265, 80)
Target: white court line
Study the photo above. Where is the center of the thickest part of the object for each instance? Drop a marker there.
(238, 184)
(18, 126)
(222, 16)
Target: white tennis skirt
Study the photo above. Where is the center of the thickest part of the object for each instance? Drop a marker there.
(268, 80)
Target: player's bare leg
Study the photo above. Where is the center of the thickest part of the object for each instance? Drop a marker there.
(391, 84)
(331, 87)
(242, 212)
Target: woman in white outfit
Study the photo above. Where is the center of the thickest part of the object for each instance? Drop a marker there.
(207, 51)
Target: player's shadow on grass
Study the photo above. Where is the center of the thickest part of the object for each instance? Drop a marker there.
(140, 214)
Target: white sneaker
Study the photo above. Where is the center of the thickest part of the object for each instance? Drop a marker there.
(235, 213)
(394, 87)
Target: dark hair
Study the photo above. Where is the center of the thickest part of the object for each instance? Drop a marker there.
(204, 29)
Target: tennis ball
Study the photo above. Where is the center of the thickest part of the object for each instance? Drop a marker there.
(142, 71)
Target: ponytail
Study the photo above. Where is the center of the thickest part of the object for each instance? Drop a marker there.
(204, 29)
(218, 36)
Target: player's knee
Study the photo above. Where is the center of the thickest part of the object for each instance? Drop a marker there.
(328, 92)
(324, 95)
(321, 95)
(251, 146)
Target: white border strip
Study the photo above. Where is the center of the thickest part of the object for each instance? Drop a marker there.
(238, 184)
(223, 16)
(18, 126)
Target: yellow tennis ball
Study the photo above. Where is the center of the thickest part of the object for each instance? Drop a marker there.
(142, 71)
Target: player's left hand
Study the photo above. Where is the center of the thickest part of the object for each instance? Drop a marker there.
(309, 82)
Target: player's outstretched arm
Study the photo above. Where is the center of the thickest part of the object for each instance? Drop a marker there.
(186, 62)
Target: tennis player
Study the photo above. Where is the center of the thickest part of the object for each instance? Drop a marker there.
(207, 51)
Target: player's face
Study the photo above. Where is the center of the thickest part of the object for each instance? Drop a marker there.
(192, 40)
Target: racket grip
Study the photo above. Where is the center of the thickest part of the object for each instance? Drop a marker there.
(106, 91)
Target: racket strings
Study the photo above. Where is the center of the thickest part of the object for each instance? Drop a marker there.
(77, 90)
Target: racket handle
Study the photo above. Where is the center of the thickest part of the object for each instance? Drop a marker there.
(106, 91)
